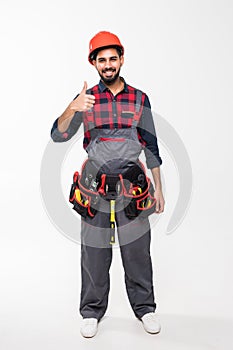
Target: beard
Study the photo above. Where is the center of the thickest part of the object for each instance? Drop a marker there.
(109, 80)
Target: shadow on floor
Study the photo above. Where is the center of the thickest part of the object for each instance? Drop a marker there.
(178, 332)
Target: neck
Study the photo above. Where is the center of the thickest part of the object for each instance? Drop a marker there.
(116, 87)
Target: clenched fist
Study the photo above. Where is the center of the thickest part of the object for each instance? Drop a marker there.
(83, 102)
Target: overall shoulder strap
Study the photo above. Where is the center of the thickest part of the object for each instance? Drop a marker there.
(90, 115)
(138, 107)
(90, 119)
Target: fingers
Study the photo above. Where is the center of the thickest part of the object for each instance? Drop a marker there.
(83, 101)
(159, 206)
(82, 106)
(84, 88)
(85, 98)
(89, 99)
(88, 105)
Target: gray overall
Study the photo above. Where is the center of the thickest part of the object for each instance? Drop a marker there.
(113, 150)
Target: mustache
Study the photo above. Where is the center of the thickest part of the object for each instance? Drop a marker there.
(108, 70)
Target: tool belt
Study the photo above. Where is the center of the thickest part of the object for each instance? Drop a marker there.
(93, 185)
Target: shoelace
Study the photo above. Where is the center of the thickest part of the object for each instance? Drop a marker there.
(90, 322)
(151, 316)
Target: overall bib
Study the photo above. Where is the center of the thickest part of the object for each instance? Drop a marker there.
(113, 188)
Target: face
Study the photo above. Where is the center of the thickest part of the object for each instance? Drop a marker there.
(108, 64)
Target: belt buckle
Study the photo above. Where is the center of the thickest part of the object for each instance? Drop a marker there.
(112, 186)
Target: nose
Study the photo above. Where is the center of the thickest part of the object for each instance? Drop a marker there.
(107, 64)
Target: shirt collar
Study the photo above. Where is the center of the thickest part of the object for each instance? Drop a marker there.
(103, 87)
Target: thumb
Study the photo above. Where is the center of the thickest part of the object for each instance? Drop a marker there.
(84, 88)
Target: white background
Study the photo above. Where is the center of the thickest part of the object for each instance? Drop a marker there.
(180, 54)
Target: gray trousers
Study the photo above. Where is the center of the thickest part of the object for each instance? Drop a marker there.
(96, 256)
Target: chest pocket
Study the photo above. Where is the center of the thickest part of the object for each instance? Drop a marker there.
(127, 114)
(126, 118)
(117, 146)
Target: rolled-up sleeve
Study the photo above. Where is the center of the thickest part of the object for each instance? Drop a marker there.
(146, 130)
(75, 123)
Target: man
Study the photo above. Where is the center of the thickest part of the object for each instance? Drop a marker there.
(113, 112)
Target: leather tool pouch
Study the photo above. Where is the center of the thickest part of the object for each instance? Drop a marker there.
(141, 203)
(84, 200)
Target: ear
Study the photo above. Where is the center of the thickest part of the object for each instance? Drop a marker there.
(94, 63)
(122, 60)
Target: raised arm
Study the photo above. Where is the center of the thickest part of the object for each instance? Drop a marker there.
(69, 122)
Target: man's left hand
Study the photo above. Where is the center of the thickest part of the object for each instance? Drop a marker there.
(159, 206)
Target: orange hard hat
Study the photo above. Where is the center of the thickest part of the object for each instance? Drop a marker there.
(101, 40)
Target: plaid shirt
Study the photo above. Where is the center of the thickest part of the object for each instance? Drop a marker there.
(112, 112)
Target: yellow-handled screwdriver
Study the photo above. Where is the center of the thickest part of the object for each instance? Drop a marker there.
(112, 221)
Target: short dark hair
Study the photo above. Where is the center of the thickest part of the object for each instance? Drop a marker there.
(95, 53)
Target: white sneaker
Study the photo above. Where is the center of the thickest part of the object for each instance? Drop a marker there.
(89, 327)
(151, 323)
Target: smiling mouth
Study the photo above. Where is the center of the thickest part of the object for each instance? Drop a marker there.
(109, 73)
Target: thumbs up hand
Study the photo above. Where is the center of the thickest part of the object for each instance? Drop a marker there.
(83, 102)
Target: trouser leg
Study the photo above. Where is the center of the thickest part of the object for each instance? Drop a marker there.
(137, 263)
(95, 264)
